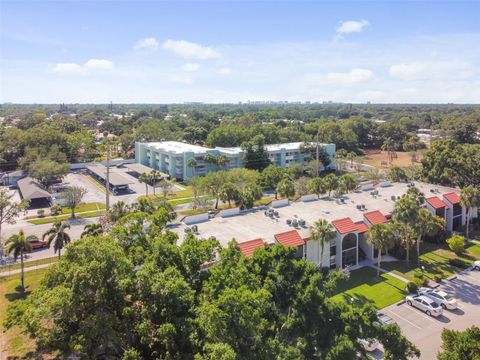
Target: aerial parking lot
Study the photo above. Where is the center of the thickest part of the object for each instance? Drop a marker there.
(425, 331)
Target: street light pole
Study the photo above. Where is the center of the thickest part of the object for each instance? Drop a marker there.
(107, 184)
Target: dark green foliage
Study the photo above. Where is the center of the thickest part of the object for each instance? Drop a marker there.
(462, 345)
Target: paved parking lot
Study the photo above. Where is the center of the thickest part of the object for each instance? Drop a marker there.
(424, 331)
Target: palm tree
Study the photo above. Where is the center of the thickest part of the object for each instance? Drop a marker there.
(340, 155)
(191, 163)
(222, 161)
(388, 146)
(427, 224)
(322, 232)
(469, 198)
(118, 210)
(92, 230)
(154, 177)
(18, 244)
(351, 157)
(57, 236)
(405, 213)
(382, 237)
(144, 178)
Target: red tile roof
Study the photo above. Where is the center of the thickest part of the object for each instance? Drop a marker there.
(361, 227)
(375, 217)
(345, 225)
(452, 197)
(290, 238)
(248, 247)
(436, 203)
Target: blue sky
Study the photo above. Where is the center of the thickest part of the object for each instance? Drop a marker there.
(223, 51)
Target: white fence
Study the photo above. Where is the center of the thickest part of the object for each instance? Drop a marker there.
(193, 219)
(308, 197)
(230, 212)
(279, 203)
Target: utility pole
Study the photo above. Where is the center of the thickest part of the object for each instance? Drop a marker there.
(318, 155)
(107, 185)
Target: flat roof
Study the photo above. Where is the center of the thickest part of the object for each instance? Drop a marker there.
(177, 147)
(31, 190)
(115, 179)
(140, 169)
(253, 224)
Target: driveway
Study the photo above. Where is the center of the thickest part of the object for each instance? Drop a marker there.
(424, 331)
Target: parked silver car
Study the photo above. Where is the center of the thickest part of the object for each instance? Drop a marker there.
(424, 303)
(445, 300)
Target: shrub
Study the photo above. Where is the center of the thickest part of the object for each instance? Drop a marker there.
(55, 210)
(420, 281)
(412, 287)
(418, 274)
(459, 263)
(41, 212)
(456, 243)
(437, 278)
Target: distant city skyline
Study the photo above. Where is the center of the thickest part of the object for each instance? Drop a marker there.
(216, 52)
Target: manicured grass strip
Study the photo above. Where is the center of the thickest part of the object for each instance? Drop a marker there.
(66, 217)
(85, 207)
(363, 287)
(28, 264)
(435, 263)
(16, 344)
(474, 250)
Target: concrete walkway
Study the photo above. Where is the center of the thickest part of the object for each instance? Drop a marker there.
(30, 268)
(389, 273)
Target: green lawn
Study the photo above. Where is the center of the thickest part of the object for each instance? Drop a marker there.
(16, 345)
(435, 263)
(178, 194)
(85, 207)
(363, 287)
(66, 217)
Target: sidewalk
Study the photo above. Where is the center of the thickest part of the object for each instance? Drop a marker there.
(17, 271)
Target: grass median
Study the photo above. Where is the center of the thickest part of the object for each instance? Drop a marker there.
(66, 217)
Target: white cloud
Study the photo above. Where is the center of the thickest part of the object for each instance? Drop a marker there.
(147, 43)
(429, 70)
(190, 50)
(73, 68)
(100, 64)
(190, 67)
(224, 71)
(352, 26)
(353, 77)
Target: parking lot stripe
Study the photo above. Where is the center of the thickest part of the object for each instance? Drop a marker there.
(401, 317)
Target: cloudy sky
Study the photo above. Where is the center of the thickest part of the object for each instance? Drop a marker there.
(224, 51)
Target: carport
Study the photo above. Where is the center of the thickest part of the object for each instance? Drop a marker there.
(117, 182)
(30, 190)
(137, 169)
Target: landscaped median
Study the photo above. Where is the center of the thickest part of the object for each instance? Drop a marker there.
(52, 219)
(363, 287)
(436, 264)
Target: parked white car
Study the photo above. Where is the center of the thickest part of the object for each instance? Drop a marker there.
(476, 265)
(429, 306)
(445, 300)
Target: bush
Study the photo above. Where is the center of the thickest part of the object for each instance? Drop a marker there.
(420, 281)
(55, 210)
(456, 243)
(459, 263)
(437, 278)
(41, 212)
(412, 287)
(418, 274)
